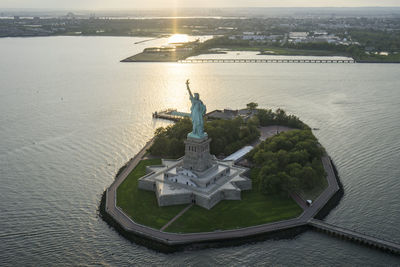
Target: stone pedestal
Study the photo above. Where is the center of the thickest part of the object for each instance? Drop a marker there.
(197, 154)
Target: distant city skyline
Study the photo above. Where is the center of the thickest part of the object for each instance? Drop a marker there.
(136, 4)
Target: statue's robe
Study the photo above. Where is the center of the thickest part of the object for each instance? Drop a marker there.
(198, 110)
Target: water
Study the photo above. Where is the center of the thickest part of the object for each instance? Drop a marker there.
(71, 115)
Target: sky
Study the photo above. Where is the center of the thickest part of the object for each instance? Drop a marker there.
(141, 4)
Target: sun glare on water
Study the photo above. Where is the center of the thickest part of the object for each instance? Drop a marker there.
(178, 38)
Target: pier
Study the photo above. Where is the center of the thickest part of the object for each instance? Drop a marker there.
(151, 39)
(361, 238)
(294, 60)
(170, 114)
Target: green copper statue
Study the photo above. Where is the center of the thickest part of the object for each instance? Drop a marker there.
(198, 110)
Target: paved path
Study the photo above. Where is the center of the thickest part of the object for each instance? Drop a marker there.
(176, 217)
(268, 131)
(111, 195)
(301, 202)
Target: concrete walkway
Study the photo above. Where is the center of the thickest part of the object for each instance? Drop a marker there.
(176, 217)
(301, 202)
(269, 131)
(111, 193)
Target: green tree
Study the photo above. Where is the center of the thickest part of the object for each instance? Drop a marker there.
(288, 162)
(160, 146)
(266, 117)
(308, 177)
(176, 148)
(227, 136)
(252, 106)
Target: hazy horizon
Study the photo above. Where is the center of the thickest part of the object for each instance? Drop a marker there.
(157, 4)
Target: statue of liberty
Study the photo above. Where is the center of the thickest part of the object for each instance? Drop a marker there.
(198, 110)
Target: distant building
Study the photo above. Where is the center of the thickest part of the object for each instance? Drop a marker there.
(238, 155)
(226, 114)
(227, 28)
(254, 37)
(229, 114)
(319, 33)
(298, 35)
(70, 15)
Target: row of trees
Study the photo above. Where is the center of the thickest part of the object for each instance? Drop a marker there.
(279, 117)
(357, 51)
(289, 161)
(227, 137)
(230, 135)
(222, 41)
(379, 40)
(388, 41)
(168, 142)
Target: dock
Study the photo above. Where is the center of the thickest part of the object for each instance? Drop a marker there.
(152, 39)
(354, 236)
(213, 60)
(170, 114)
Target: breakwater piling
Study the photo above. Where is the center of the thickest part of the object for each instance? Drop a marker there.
(354, 236)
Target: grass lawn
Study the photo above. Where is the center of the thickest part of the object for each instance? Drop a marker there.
(142, 205)
(254, 209)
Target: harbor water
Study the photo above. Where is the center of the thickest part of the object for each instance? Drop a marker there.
(71, 115)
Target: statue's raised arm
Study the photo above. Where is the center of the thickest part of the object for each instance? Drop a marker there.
(197, 111)
(188, 88)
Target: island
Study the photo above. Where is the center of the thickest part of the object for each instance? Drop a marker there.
(310, 51)
(254, 175)
(170, 53)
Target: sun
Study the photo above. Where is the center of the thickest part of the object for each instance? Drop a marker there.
(178, 38)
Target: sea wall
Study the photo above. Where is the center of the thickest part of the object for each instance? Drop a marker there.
(156, 245)
(335, 199)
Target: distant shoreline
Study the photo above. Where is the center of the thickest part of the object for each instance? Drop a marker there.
(179, 56)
